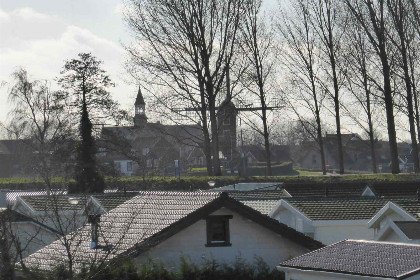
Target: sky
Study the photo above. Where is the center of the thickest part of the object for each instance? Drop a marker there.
(39, 35)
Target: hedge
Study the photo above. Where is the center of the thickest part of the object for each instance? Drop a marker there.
(196, 182)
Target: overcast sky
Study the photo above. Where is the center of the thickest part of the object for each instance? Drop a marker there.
(40, 35)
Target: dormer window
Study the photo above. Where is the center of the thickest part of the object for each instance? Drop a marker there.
(218, 234)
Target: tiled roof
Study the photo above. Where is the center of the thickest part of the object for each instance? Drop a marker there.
(361, 208)
(410, 228)
(365, 258)
(347, 189)
(258, 195)
(111, 200)
(263, 206)
(61, 201)
(261, 200)
(146, 220)
(249, 186)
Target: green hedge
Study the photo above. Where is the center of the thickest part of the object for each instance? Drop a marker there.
(155, 270)
(201, 182)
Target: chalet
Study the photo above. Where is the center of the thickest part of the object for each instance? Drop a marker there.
(356, 259)
(168, 225)
(331, 219)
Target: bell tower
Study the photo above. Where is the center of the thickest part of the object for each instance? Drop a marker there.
(140, 110)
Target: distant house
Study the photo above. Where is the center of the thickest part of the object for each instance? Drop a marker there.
(255, 154)
(331, 219)
(356, 152)
(168, 225)
(353, 259)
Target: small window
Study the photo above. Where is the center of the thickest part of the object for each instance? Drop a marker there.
(129, 166)
(117, 165)
(218, 231)
(226, 121)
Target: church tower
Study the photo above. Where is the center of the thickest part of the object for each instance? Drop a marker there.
(140, 110)
(226, 122)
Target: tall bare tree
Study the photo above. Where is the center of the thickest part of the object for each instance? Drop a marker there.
(300, 58)
(39, 119)
(361, 84)
(373, 18)
(329, 22)
(403, 41)
(259, 49)
(185, 46)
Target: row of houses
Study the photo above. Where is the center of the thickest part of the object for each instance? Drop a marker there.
(239, 220)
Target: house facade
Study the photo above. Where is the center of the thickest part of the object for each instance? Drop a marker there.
(171, 225)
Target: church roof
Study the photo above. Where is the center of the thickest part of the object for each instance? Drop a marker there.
(139, 98)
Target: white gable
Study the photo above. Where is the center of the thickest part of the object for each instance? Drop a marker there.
(248, 240)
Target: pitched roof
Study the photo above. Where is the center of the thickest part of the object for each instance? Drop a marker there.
(61, 201)
(364, 258)
(346, 189)
(258, 195)
(250, 186)
(148, 219)
(358, 208)
(411, 229)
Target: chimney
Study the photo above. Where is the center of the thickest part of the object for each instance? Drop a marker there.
(94, 223)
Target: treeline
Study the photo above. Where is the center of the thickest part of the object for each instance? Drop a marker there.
(318, 59)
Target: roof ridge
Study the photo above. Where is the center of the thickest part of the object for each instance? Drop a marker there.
(382, 242)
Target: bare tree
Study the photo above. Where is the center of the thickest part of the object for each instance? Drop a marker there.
(300, 59)
(361, 84)
(40, 119)
(257, 43)
(372, 17)
(186, 46)
(329, 22)
(403, 42)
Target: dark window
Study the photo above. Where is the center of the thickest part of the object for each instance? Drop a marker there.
(218, 230)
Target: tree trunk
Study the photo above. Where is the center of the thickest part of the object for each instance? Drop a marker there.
(370, 124)
(414, 152)
(389, 106)
(331, 50)
(214, 138)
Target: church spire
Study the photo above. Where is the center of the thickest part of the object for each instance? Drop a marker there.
(139, 98)
(140, 110)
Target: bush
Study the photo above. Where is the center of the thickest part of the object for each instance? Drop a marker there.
(240, 269)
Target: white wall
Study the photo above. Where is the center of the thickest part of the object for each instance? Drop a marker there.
(330, 233)
(248, 240)
(32, 237)
(334, 233)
